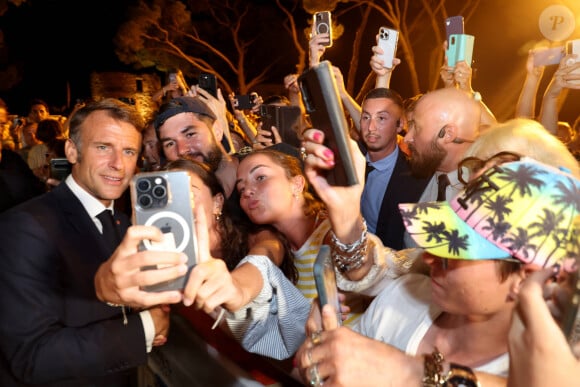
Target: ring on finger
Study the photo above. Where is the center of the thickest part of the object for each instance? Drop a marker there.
(316, 337)
(315, 376)
(309, 356)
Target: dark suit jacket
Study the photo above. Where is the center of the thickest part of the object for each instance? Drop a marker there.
(53, 330)
(403, 187)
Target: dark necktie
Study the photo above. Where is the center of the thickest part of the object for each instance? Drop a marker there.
(110, 229)
(442, 183)
(368, 169)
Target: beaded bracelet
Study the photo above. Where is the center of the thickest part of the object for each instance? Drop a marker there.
(350, 256)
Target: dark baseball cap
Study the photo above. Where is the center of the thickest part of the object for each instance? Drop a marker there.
(185, 104)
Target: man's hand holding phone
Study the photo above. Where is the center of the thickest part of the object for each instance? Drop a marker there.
(120, 280)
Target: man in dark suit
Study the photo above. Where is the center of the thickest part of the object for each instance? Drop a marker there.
(388, 179)
(54, 331)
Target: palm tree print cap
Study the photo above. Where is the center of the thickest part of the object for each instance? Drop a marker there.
(523, 209)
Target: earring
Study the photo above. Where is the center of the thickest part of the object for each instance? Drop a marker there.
(218, 216)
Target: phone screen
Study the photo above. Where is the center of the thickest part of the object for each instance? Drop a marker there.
(324, 107)
(325, 279)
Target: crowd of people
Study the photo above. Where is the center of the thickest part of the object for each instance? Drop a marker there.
(455, 254)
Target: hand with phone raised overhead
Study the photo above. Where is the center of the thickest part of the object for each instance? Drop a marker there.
(316, 46)
(378, 66)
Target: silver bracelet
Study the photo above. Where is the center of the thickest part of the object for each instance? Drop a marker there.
(350, 256)
(350, 247)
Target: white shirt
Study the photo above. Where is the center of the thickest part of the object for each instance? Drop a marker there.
(402, 314)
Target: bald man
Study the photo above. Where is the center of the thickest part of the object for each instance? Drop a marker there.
(445, 123)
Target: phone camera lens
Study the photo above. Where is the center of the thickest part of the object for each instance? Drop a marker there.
(159, 191)
(145, 201)
(143, 185)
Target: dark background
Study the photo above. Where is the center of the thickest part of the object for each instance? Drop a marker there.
(58, 43)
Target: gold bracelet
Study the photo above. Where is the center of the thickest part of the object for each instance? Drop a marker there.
(433, 369)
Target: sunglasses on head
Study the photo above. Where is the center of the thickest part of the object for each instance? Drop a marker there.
(470, 166)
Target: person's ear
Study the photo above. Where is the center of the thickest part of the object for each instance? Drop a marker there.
(71, 152)
(218, 204)
(519, 278)
(298, 183)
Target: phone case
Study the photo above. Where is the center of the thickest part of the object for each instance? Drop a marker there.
(454, 25)
(208, 82)
(60, 168)
(287, 119)
(573, 47)
(323, 25)
(548, 56)
(325, 279)
(163, 199)
(244, 102)
(388, 40)
(460, 49)
(324, 107)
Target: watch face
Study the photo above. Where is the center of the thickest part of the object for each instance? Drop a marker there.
(461, 376)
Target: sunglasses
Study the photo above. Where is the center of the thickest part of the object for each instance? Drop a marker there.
(470, 166)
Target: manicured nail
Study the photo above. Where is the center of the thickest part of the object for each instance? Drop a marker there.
(317, 136)
(328, 154)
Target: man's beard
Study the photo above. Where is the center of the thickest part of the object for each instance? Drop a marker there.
(425, 165)
(213, 158)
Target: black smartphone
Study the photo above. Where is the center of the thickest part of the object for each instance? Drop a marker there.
(286, 119)
(163, 199)
(244, 101)
(208, 82)
(324, 107)
(325, 279)
(60, 168)
(323, 25)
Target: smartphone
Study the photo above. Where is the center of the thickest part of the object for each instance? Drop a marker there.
(163, 199)
(325, 280)
(323, 25)
(573, 47)
(177, 77)
(460, 49)
(208, 82)
(454, 25)
(388, 39)
(287, 119)
(548, 56)
(244, 102)
(324, 107)
(60, 168)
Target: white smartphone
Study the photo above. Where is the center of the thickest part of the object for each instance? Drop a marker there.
(163, 199)
(388, 40)
(323, 25)
(573, 47)
(547, 56)
(325, 279)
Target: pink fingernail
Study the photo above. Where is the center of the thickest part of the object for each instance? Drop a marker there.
(329, 154)
(317, 136)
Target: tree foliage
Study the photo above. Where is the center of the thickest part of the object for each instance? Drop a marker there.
(249, 43)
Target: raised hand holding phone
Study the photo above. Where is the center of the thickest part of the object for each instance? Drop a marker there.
(388, 41)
